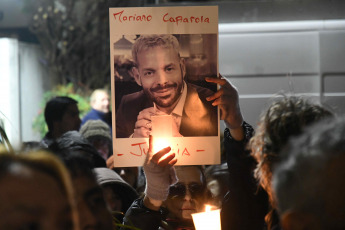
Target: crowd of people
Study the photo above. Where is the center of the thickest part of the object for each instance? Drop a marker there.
(287, 174)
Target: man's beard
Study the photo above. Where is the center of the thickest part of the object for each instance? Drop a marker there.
(161, 101)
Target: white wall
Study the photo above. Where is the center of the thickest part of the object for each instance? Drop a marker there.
(9, 90)
(23, 80)
(34, 81)
(263, 59)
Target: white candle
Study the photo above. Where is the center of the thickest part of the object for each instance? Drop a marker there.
(208, 220)
(161, 131)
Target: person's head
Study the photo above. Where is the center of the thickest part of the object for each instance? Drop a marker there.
(99, 100)
(73, 141)
(118, 194)
(35, 193)
(217, 179)
(188, 195)
(92, 208)
(97, 132)
(61, 115)
(285, 117)
(309, 183)
(159, 68)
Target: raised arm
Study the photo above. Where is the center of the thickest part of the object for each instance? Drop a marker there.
(146, 213)
(228, 101)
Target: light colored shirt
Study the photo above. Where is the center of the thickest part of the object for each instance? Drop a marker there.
(178, 110)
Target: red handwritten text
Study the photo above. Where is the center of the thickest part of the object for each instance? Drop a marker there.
(132, 18)
(139, 150)
(180, 19)
(185, 152)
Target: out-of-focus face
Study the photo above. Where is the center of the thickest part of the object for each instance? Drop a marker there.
(160, 73)
(112, 198)
(70, 120)
(101, 102)
(33, 200)
(93, 211)
(182, 202)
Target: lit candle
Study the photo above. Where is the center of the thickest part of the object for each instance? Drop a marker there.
(160, 143)
(161, 131)
(208, 220)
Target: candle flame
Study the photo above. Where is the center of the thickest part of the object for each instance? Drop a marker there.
(208, 208)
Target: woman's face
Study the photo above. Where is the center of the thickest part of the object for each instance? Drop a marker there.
(188, 195)
(31, 199)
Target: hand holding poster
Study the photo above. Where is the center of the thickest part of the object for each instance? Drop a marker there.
(160, 57)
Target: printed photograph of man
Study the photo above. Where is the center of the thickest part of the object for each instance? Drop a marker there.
(161, 72)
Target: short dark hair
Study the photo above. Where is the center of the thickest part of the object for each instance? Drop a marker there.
(56, 108)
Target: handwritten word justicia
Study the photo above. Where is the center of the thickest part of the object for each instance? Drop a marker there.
(122, 17)
(138, 149)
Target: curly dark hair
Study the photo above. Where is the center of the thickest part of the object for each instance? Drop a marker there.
(284, 118)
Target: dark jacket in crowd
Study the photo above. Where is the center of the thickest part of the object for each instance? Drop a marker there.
(246, 204)
(143, 218)
(146, 219)
(97, 115)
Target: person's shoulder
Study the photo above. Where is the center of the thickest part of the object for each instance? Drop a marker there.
(138, 98)
(89, 116)
(89, 113)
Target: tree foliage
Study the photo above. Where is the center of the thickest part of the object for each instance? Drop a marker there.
(74, 35)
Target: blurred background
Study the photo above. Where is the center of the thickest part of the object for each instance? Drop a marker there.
(266, 47)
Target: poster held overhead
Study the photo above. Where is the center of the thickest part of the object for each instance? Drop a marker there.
(160, 57)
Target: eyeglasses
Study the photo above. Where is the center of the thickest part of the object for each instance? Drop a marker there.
(179, 190)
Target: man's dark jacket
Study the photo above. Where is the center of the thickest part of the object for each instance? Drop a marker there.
(97, 115)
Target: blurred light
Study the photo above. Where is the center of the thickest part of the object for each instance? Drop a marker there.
(208, 220)
(160, 143)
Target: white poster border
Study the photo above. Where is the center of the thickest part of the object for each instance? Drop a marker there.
(129, 152)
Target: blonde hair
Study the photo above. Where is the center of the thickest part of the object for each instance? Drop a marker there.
(154, 40)
(95, 93)
(46, 163)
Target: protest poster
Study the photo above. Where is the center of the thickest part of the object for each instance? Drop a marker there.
(160, 57)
